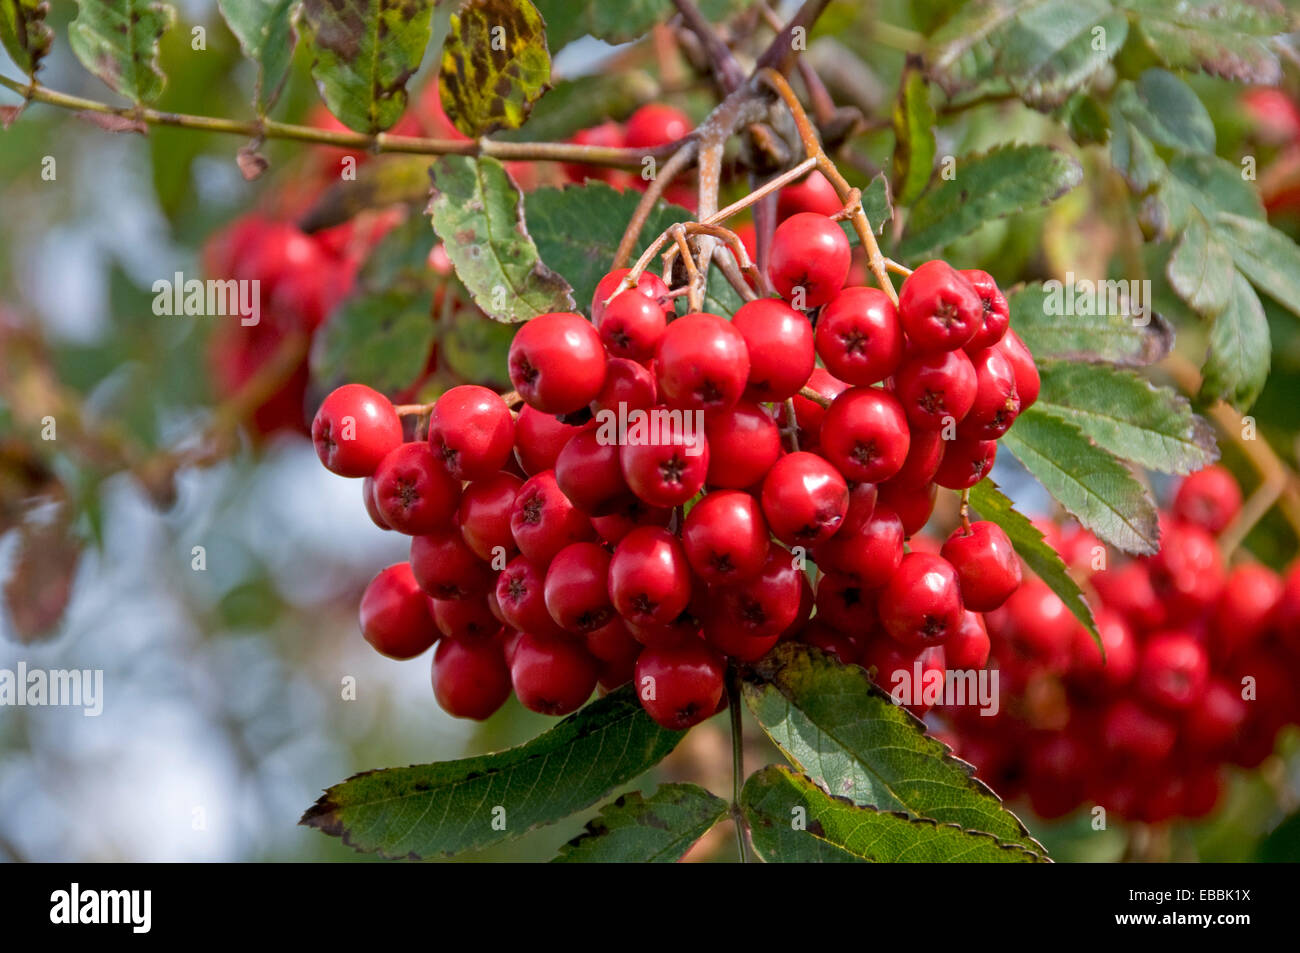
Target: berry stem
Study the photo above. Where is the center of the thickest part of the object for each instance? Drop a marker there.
(737, 762)
(791, 425)
(675, 164)
(809, 394)
(412, 410)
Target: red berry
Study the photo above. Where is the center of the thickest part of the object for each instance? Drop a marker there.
(997, 402)
(986, 564)
(448, 569)
(543, 520)
(588, 472)
(1022, 363)
(913, 504)
(1120, 644)
(617, 525)
(649, 284)
(354, 430)
(484, 515)
(632, 326)
(865, 435)
(576, 590)
(965, 462)
(779, 342)
(967, 649)
(628, 385)
(848, 605)
(809, 414)
(470, 679)
(804, 499)
(725, 537)
(668, 465)
(368, 500)
(939, 308)
(1129, 729)
(552, 676)
(557, 362)
(464, 618)
(1187, 573)
(809, 259)
(921, 604)
(1039, 626)
(395, 616)
(656, 124)
(540, 437)
(1172, 670)
(681, 685)
(1209, 498)
(924, 454)
(471, 432)
(760, 607)
(831, 641)
(649, 577)
(609, 135)
(701, 362)
(521, 598)
(744, 443)
(859, 338)
(937, 389)
(413, 492)
(997, 315)
(870, 554)
(813, 193)
(897, 668)
(1215, 723)
(1245, 610)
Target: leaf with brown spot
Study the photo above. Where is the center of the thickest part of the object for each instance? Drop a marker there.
(117, 40)
(24, 32)
(658, 829)
(495, 65)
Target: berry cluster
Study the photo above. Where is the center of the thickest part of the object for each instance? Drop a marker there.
(1195, 673)
(643, 517)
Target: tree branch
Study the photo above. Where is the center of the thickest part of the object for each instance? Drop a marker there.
(723, 62)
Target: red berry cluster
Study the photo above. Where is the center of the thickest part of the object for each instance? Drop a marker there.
(642, 518)
(650, 126)
(1195, 674)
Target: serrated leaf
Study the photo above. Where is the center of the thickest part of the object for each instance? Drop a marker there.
(877, 204)
(495, 65)
(1056, 323)
(1200, 269)
(654, 830)
(1210, 186)
(363, 52)
(1268, 257)
(1053, 49)
(993, 505)
(25, 33)
(1236, 368)
(118, 42)
(833, 724)
(567, 20)
(380, 339)
(578, 228)
(264, 29)
(1227, 39)
(474, 347)
(792, 820)
(914, 120)
(998, 183)
(479, 214)
(965, 47)
(1167, 111)
(1127, 415)
(448, 807)
(1092, 485)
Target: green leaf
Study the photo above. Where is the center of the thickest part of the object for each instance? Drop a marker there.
(25, 33)
(118, 42)
(1268, 257)
(1240, 350)
(264, 29)
(914, 120)
(1227, 39)
(363, 52)
(495, 65)
(381, 340)
(1200, 269)
(998, 183)
(833, 724)
(1098, 490)
(449, 807)
(578, 228)
(654, 830)
(1054, 48)
(567, 20)
(992, 504)
(474, 347)
(1208, 185)
(479, 214)
(1166, 111)
(1048, 317)
(1282, 844)
(1086, 119)
(1125, 414)
(792, 820)
(876, 204)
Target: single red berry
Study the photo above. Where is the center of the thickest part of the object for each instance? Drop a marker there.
(614, 527)
(804, 499)
(608, 135)
(650, 577)
(613, 642)
(1022, 363)
(576, 590)
(1039, 627)
(701, 362)
(1209, 498)
(859, 337)
(681, 685)
(470, 679)
(921, 604)
(632, 326)
(464, 618)
(744, 444)
(1173, 670)
(628, 386)
(924, 454)
(813, 193)
(557, 362)
(1216, 721)
(540, 437)
(845, 603)
(1117, 638)
(997, 315)
(1129, 591)
(965, 462)
(372, 507)
(830, 640)
(760, 607)
(589, 473)
(521, 598)
(735, 641)
(809, 259)
(986, 564)
(543, 520)
(862, 506)
(395, 617)
(937, 390)
(413, 491)
(997, 402)
(471, 432)
(967, 649)
(912, 503)
(354, 430)
(725, 537)
(865, 435)
(649, 284)
(809, 414)
(1132, 730)
(666, 463)
(870, 554)
(938, 307)
(807, 603)
(484, 516)
(552, 676)
(1187, 573)
(656, 124)
(779, 342)
(446, 568)
(1246, 610)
